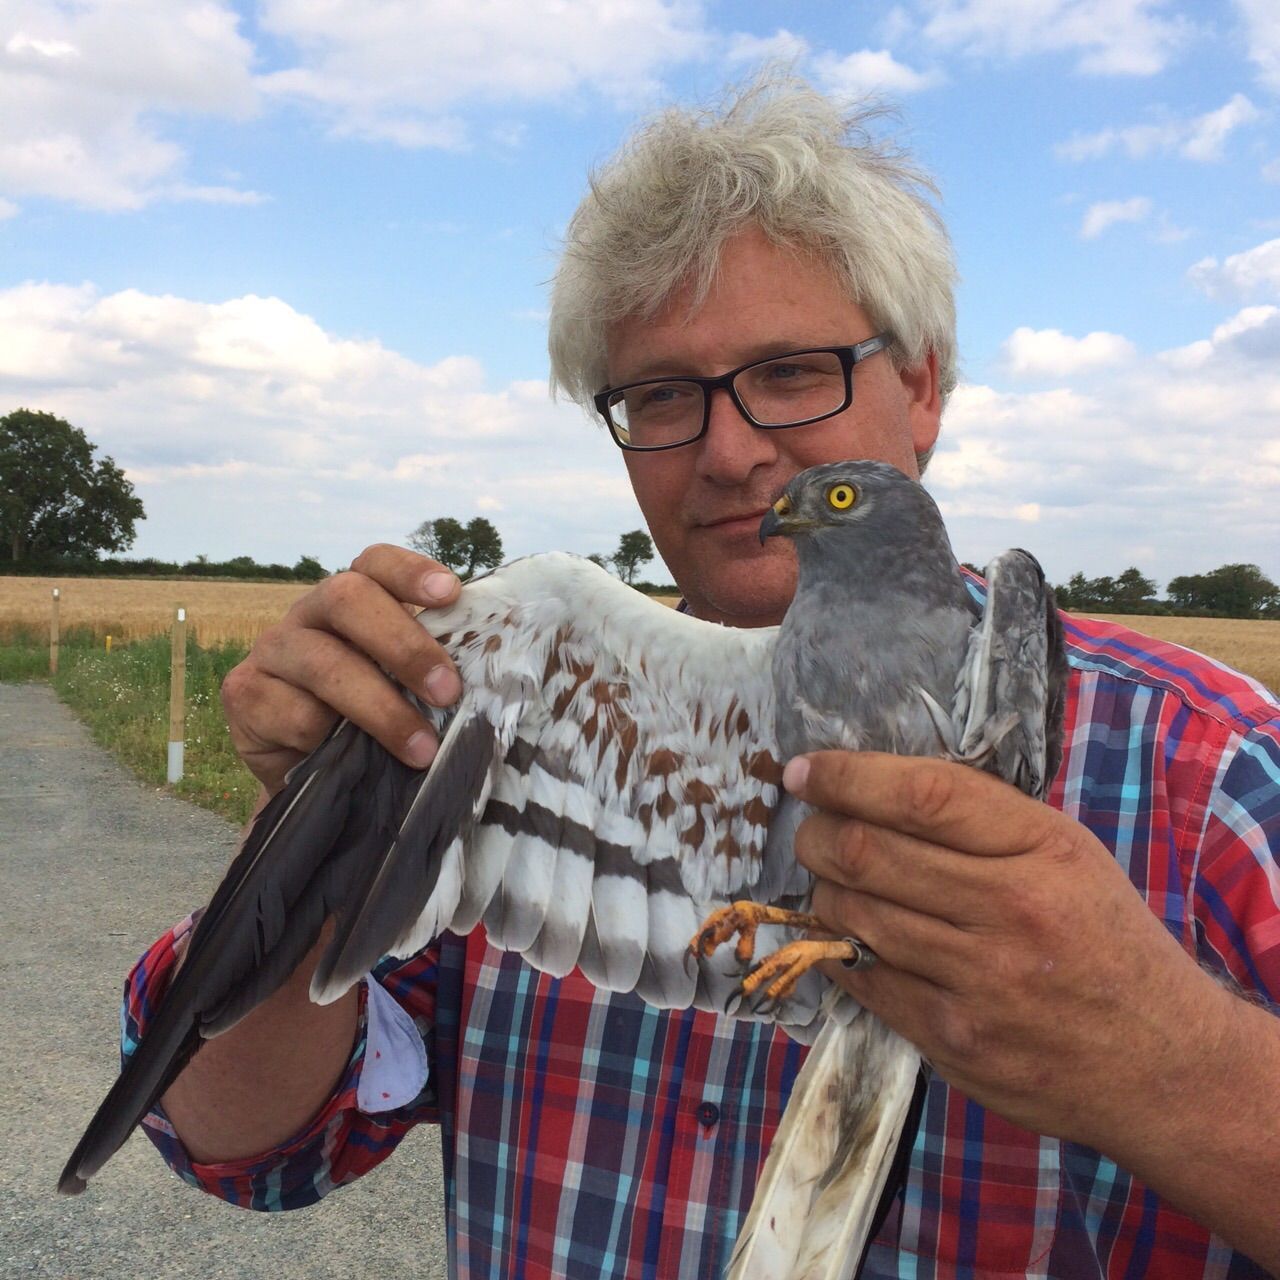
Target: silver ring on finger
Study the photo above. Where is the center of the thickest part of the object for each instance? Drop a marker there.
(863, 957)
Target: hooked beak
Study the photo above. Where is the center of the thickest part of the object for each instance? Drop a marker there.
(775, 522)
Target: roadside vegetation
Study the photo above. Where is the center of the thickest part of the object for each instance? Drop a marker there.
(123, 698)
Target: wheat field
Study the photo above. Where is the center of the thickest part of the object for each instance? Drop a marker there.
(218, 613)
(236, 612)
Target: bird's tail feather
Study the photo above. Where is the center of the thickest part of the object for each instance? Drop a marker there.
(817, 1201)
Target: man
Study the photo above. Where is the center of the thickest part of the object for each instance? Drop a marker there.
(1093, 981)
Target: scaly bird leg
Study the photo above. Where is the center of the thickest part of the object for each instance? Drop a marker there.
(744, 918)
(774, 978)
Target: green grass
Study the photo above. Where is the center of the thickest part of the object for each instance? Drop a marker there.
(123, 698)
(24, 651)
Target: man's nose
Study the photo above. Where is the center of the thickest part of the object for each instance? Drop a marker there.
(732, 447)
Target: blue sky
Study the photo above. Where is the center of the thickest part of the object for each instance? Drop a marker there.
(286, 261)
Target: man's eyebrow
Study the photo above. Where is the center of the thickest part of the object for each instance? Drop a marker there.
(678, 367)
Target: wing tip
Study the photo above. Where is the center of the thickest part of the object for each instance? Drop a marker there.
(332, 980)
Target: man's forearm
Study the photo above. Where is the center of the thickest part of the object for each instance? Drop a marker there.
(251, 1088)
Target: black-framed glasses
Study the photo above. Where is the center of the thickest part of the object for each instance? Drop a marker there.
(791, 389)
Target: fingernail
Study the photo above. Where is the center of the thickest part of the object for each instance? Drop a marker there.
(438, 585)
(421, 749)
(443, 686)
(796, 774)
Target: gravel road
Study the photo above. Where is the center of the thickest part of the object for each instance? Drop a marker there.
(93, 866)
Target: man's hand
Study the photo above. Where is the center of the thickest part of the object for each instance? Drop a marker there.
(327, 658)
(1018, 957)
(1014, 951)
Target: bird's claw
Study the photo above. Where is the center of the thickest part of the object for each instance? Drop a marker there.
(773, 979)
(744, 919)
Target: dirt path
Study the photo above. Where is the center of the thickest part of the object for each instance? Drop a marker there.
(93, 866)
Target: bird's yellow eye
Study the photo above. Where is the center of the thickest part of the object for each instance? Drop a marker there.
(841, 496)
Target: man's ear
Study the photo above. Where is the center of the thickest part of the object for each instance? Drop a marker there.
(924, 403)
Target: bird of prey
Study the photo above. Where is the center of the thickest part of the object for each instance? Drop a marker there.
(611, 779)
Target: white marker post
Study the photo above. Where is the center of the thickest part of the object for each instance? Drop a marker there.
(53, 634)
(177, 696)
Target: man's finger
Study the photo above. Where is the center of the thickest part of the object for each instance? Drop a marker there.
(899, 868)
(900, 937)
(331, 671)
(361, 612)
(407, 575)
(266, 714)
(910, 1004)
(937, 800)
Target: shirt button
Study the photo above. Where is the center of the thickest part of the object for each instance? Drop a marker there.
(708, 1114)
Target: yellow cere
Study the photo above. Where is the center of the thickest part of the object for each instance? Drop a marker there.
(841, 496)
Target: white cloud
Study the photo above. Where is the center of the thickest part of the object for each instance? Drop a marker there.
(1168, 232)
(211, 194)
(1210, 131)
(871, 71)
(1106, 213)
(226, 414)
(1271, 170)
(80, 87)
(1241, 274)
(20, 43)
(1144, 468)
(783, 46)
(1253, 333)
(7, 209)
(1137, 140)
(1108, 37)
(897, 25)
(1050, 353)
(1196, 138)
(386, 70)
(1262, 32)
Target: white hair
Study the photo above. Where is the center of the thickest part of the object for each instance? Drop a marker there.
(782, 156)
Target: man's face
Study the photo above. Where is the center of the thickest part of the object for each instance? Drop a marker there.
(704, 502)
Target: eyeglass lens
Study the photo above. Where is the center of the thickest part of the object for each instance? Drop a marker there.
(775, 393)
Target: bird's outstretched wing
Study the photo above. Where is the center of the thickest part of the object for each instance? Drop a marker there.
(618, 774)
(607, 778)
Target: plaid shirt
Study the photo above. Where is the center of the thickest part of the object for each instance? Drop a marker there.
(587, 1135)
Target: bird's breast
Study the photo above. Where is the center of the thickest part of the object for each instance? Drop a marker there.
(858, 687)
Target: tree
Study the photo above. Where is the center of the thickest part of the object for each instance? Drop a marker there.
(1133, 591)
(1235, 590)
(463, 548)
(1129, 593)
(309, 569)
(56, 502)
(634, 549)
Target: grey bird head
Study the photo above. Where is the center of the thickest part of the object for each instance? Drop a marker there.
(848, 497)
(868, 527)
